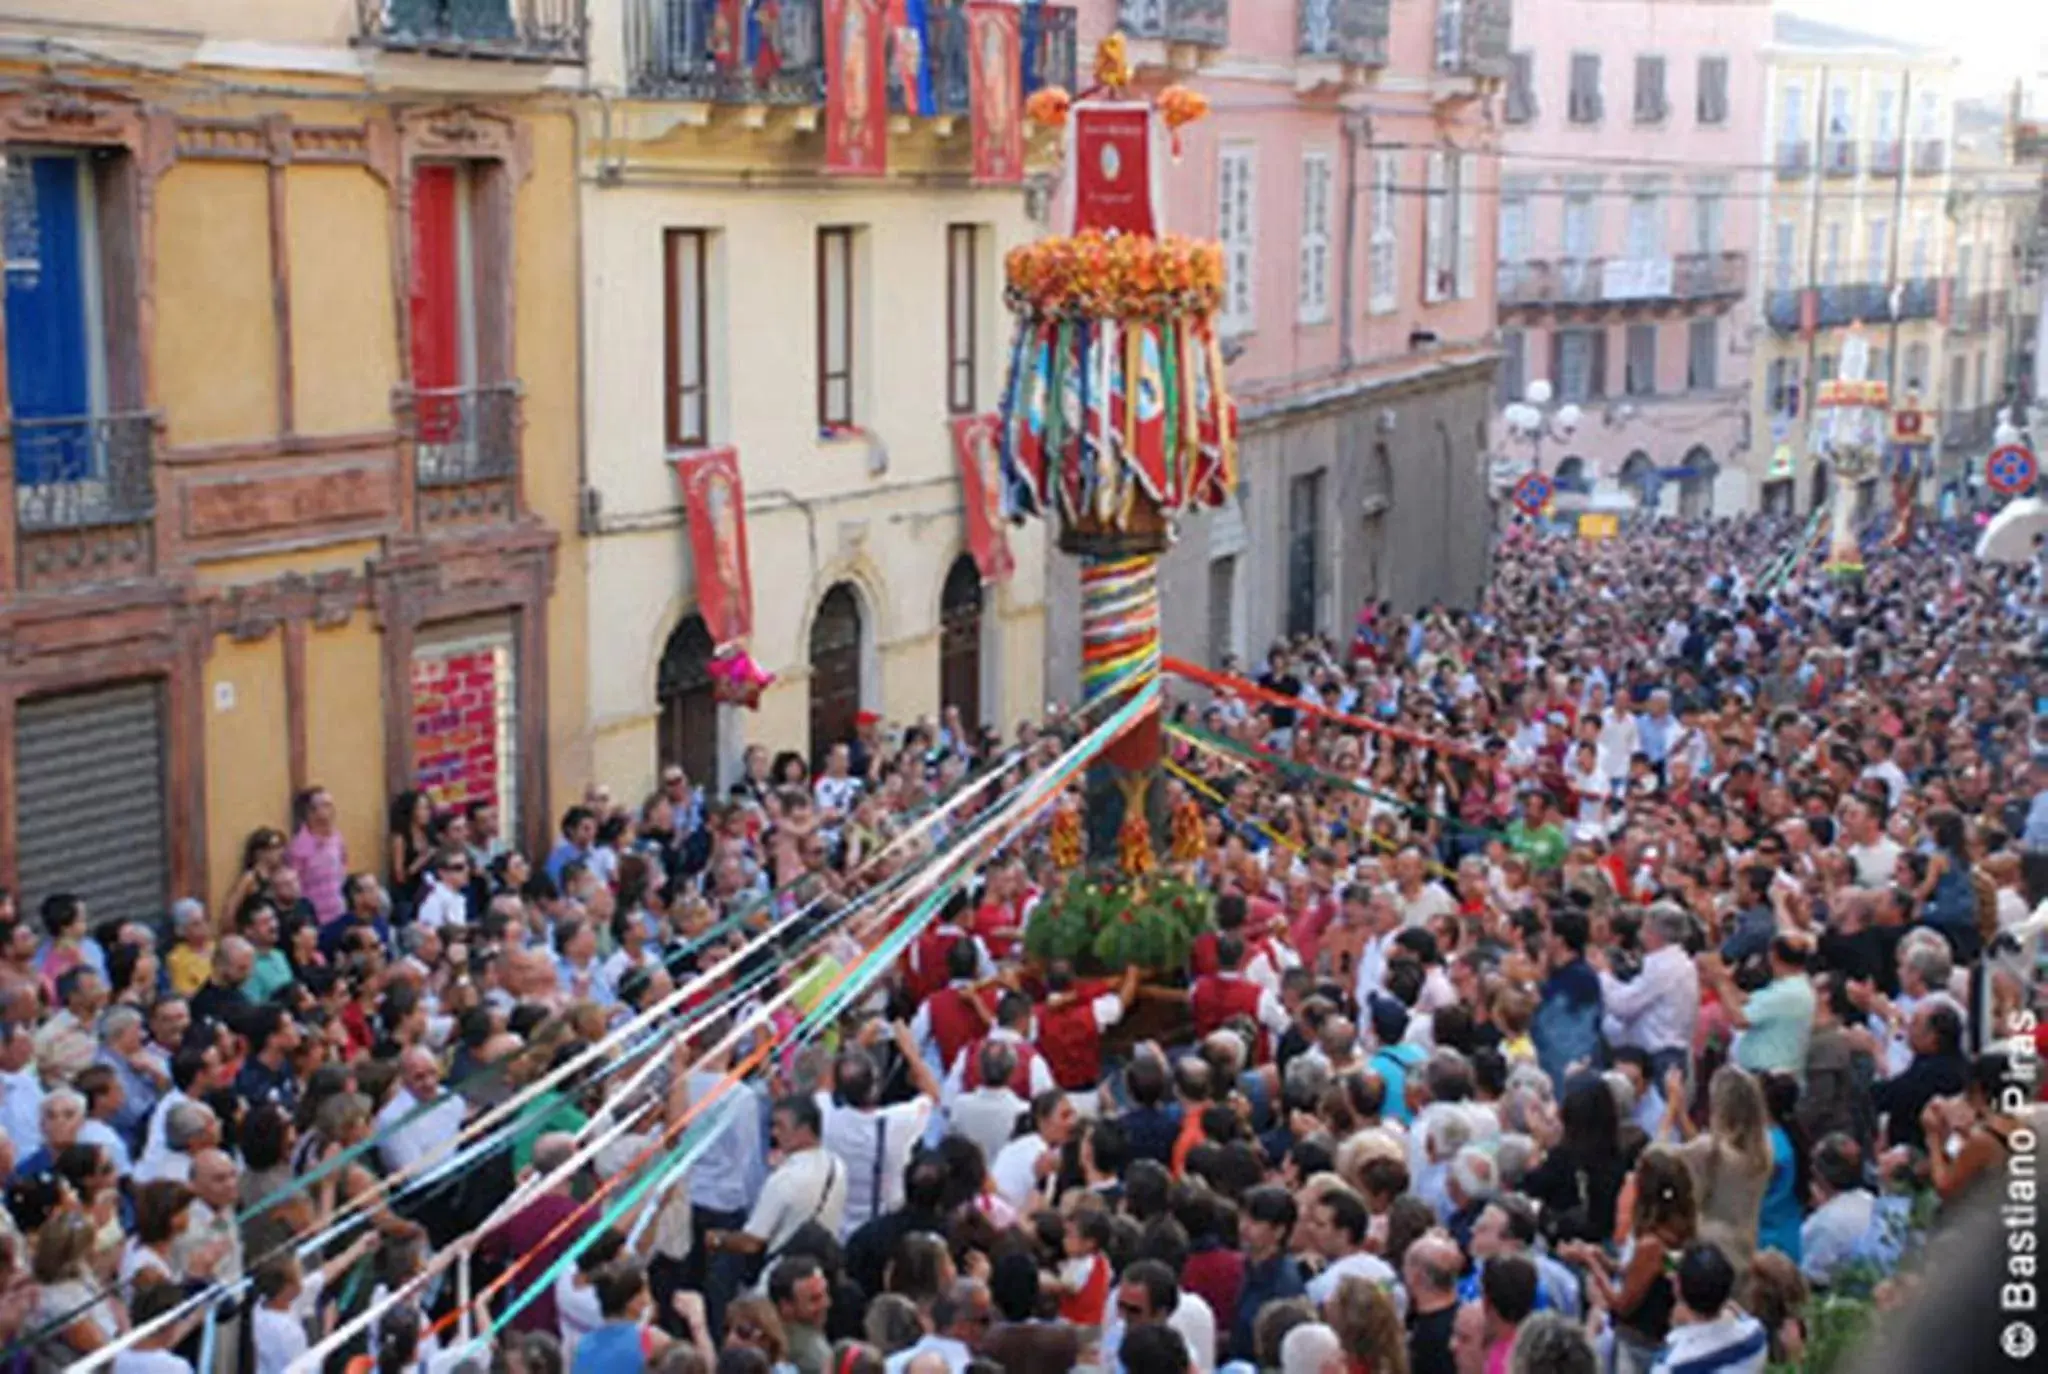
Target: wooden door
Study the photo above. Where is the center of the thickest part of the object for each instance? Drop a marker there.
(960, 644)
(835, 670)
(688, 733)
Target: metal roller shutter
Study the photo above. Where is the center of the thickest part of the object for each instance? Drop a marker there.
(89, 778)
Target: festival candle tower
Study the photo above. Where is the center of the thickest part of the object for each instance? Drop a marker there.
(1115, 418)
(1852, 408)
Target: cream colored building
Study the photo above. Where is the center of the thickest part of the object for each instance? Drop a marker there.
(719, 262)
(1859, 133)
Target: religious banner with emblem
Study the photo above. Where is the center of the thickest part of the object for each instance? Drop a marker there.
(981, 495)
(717, 509)
(856, 88)
(995, 73)
(910, 44)
(1112, 167)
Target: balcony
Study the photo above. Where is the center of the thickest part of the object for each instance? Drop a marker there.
(1920, 298)
(1866, 301)
(1795, 157)
(1352, 33)
(676, 50)
(463, 436)
(84, 499)
(1781, 309)
(552, 31)
(1197, 23)
(1689, 278)
(1886, 155)
(1930, 155)
(1969, 427)
(1978, 312)
(1838, 157)
(1473, 38)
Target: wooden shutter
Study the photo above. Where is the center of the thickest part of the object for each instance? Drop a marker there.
(1468, 227)
(1435, 241)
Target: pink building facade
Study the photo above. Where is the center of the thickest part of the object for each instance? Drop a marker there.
(1627, 233)
(1349, 167)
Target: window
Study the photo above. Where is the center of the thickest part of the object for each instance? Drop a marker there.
(1314, 288)
(1514, 365)
(1702, 350)
(1579, 363)
(1236, 196)
(1580, 225)
(1450, 35)
(1386, 233)
(963, 321)
(1708, 211)
(460, 345)
(1923, 256)
(1305, 553)
(1885, 123)
(687, 360)
(1711, 105)
(1645, 226)
(1824, 367)
(1584, 106)
(1831, 256)
(1878, 237)
(1521, 98)
(1640, 376)
(1650, 107)
(1465, 177)
(1964, 253)
(1792, 115)
(836, 307)
(1512, 238)
(1436, 238)
(1927, 115)
(1915, 376)
(1222, 609)
(1784, 255)
(1841, 117)
(1783, 382)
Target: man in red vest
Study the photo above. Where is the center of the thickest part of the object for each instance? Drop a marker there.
(955, 1016)
(1012, 1027)
(1226, 994)
(1005, 901)
(925, 966)
(1230, 914)
(1070, 1027)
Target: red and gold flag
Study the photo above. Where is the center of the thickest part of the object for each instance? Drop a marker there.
(981, 495)
(995, 77)
(717, 509)
(856, 88)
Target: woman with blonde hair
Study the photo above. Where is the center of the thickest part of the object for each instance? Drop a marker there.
(1731, 1163)
(63, 1264)
(1365, 1320)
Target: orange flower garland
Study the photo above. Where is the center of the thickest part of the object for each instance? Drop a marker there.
(1065, 842)
(1179, 105)
(1134, 844)
(1047, 107)
(1115, 276)
(1188, 840)
(1113, 63)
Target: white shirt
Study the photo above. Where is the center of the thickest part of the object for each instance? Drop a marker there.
(874, 1144)
(1192, 1318)
(1875, 863)
(1658, 1008)
(1829, 1236)
(281, 1336)
(174, 1165)
(836, 794)
(428, 1136)
(1429, 902)
(1361, 1265)
(442, 906)
(987, 1116)
(1015, 1171)
(97, 1132)
(21, 1111)
(150, 1362)
(577, 1313)
(810, 1185)
(1264, 967)
(955, 1353)
(1891, 775)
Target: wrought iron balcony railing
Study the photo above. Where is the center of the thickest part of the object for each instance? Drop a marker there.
(1920, 298)
(690, 50)
(1781, 308)
(1929, 155)
(1885, 156)
(1689, 277)
(1839, 157)
(1968, 426)
(554, 31)
(1473, 37)
(465, 434)
(1350, 31)
(1203, 23)
(76, 472)
(1795, 157)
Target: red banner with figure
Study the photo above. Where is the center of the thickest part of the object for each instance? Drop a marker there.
(856, 87)
(981, 495)
(717, 509)
(995, 77)
(1113, 167)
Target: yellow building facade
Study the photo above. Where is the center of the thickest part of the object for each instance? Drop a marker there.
(1858, 232)
(829, 330)
(292, 448)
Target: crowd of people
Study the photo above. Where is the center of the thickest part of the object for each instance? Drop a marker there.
(1597, 977)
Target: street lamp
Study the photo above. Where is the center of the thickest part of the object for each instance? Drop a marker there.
(1533, 419)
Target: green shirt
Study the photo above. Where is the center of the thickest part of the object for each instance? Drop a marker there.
(564, 1117)
(1780, 1016)
(272, 972)
(1543, 847)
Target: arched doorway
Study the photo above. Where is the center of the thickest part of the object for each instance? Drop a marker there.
(688, 729)
(835, 668)
(960, 643)
(1639, 479)
(1818, 487)
(1571, 475)
(1696, 488)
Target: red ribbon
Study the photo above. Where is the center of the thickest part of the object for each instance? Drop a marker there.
(1237, 686)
